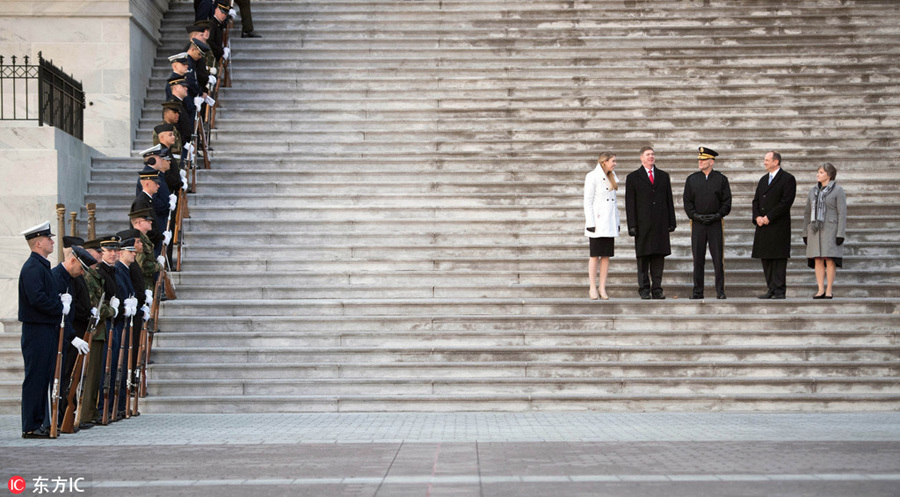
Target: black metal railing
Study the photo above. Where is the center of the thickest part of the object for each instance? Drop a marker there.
(59, 97)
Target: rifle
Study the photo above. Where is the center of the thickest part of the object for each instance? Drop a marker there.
(140, 383)
(54, 398)
(71, 419)
(128, 376)
(104, 420)
(150, 325)
(128, 320)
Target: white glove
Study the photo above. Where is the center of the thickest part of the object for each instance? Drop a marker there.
(213, 71)
(161, 260)
(130, 306)
(148, 295)
(227, 53)
(198, 101)
(146, 312)
(183, 176)
(66, 300)
(114, 303)
(94, 312)
(232, 13)
(81, 345)
(209, 100)
(167, 237)
(173, 200)
(212, 82)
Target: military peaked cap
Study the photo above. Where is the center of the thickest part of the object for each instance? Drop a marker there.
(707, 153)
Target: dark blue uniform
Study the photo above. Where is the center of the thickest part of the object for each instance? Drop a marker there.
(124, 290)
(40, 312)
(159, 203)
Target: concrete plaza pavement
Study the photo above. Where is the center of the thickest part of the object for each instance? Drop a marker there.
(470, 454)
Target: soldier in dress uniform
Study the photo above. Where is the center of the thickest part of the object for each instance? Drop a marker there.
(66, 273)
(197, 62)
(40, 311)
(142, 220)
(125, 272)
(179, 88)
(171, 114)
(181, 66)
(210, 32)
(154, 196)
(81, 315)
(707, 200)
(107, 308)
(107, 268)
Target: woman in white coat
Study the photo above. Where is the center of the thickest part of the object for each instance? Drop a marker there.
(601, 220)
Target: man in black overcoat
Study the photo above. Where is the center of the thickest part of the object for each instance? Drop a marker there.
(772, 217)
(650, 212)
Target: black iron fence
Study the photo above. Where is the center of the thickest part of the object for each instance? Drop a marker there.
(41, 92)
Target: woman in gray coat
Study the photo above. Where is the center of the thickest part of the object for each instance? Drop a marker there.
(824, 228)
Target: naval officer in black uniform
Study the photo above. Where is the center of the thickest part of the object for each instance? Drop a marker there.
(40, 311)
(707, 200)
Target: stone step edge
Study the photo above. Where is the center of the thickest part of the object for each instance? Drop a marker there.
(693, 364)
(813, 380)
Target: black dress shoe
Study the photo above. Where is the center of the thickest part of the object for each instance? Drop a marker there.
(766, 295)
(828, 297)
(645, 296)
(250, 34)
(817, 297)
(659, 296)
(778, 297)
(696, 297)
(87, 425)
(39, 433)
(721, 296)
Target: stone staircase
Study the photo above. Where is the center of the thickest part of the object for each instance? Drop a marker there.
(393, 219)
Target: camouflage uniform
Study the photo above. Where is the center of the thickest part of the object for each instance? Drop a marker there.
(95, 286)
(149, 266)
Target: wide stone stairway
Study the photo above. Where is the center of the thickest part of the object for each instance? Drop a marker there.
(393, 219)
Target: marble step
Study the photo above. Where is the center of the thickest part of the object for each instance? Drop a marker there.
(446, 403)
(535, 306)
(606, 369)
(174, 339)
(113, 222)
(449, 324)
(677, 270)
(539, 386)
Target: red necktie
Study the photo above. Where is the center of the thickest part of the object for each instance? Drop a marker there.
(651, 176)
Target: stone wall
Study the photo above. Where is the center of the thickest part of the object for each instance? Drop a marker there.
(41, 166)
(108, 45)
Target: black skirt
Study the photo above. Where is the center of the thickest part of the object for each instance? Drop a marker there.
(603, 246)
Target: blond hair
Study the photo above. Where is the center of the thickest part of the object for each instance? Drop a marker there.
(605, 156)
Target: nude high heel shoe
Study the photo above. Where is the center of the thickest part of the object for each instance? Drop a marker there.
(593, 294)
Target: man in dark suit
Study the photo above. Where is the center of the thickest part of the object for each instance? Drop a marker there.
(772, 217)
(651, 217)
